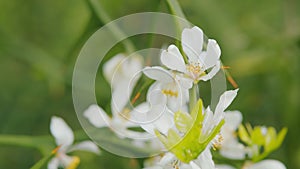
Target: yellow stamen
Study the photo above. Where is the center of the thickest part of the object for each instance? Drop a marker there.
(218, 143)
(170, 93)
(74, 163)
(125, 113)
(194, 68)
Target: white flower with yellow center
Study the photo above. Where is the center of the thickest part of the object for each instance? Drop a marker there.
(173, 87)
(190, 142)
(231, 148)
(122, 73)
(199, 60)
(64, 138)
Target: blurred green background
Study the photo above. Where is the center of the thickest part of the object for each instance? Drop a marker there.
(40, 40)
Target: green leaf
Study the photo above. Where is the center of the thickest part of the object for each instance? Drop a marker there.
(189, 147)
(270, 139)
(173, 137)
(243, 135)
(183, 121)
(257, 137)
(214, 132)
(281, 135)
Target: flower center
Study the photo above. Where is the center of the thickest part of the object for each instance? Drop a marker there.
(218, 142)
(170, 93)
(195, 70)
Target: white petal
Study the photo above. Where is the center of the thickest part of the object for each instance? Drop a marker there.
(131, 66)
(204, 161)
(53, 163)
(96, 116)
(66, 160)
(139, 113)
(207, 122)
(120, 96)
(192, 43)
(166, 159)
(186, 83)
(155, 95)
(233, 150)
(212, 73)
(225, 100)
(267, 164)
(62, 133)
(233, 119)
(223, 166)
(173, 59)
(194, 165)
(86, 146)
(111, 65)
(135, 135)
(213, 54)
(176, 103)
(159, 119)
(159, 74)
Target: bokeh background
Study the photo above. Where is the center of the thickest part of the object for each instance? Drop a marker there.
(40, 40)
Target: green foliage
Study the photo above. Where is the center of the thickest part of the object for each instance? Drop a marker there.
(40, 40)
(193, 142)
(261, 140)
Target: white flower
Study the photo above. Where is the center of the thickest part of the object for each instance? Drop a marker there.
(153, 114)
(64, 138)
(172, 85)
(199, 60)
(230, 147)
(175, 84)
(191, 145)
(169, 161)
(122, 73)
(213, 119)
(264, 164)
(119, 123)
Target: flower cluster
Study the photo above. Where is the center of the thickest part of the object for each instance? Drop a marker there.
(64, 139)
(172, 111)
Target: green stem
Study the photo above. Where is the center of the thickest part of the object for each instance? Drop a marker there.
(18, 140)
(118, 33)
(42, 143)
(42, 162)
(194, 96)
(46, 143)
(175, 9)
